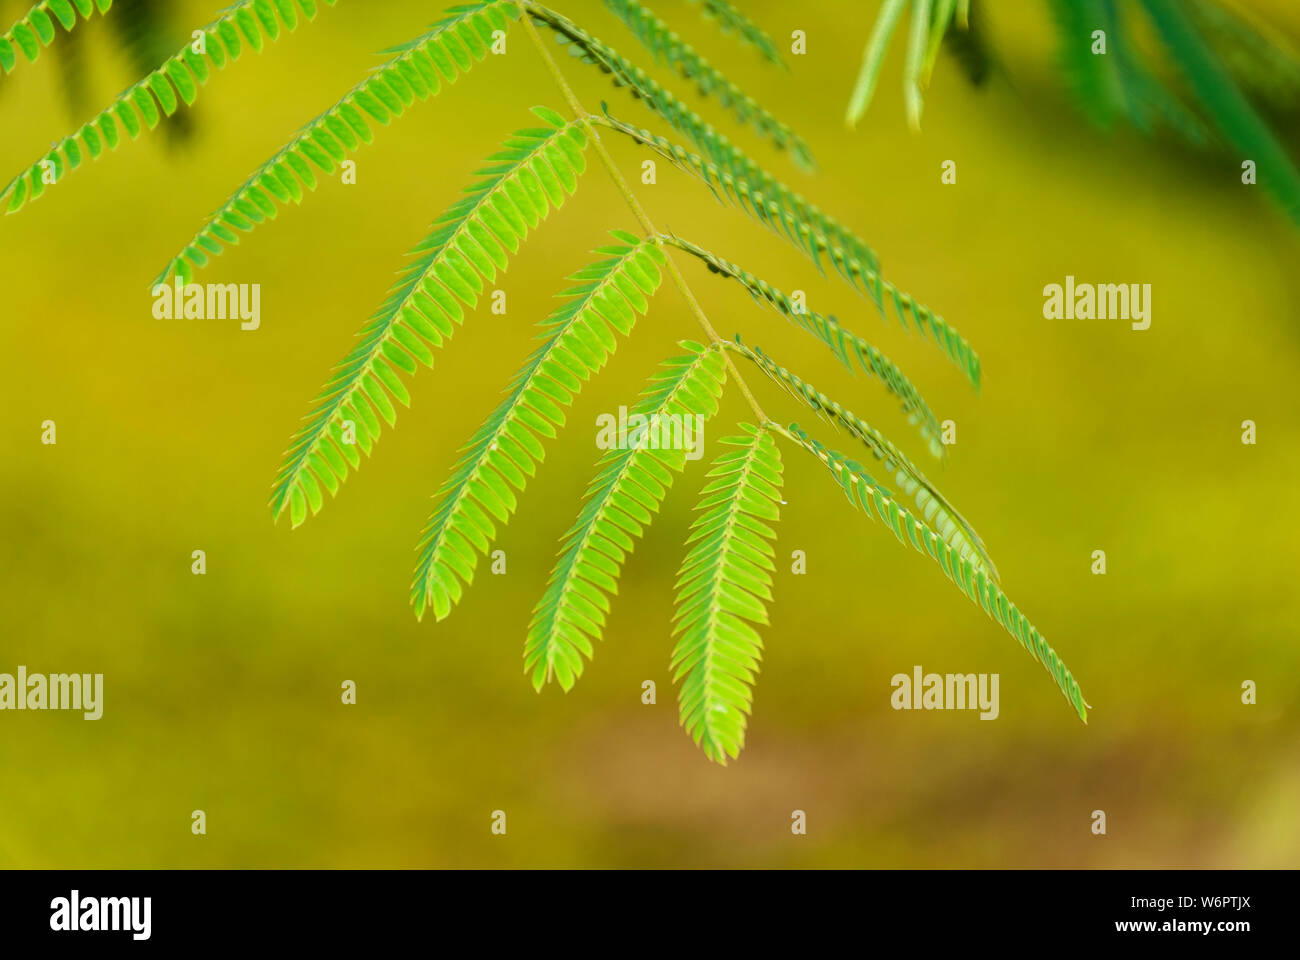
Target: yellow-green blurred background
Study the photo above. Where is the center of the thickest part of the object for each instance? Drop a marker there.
(223, 691)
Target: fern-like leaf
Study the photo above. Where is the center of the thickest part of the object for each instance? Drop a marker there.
(875, 500)
(942, 16)
(731, 20)
(579, 338)
(918, 41)
(723, 585)
(532, 175)
(873, 58)
(1230, 110)
(160, 93)
(846, 345)
(956, 531)
(816, 235)
(1116, 85)
(36, 28)
(669, 49)
(721, 151)
(621, 501)
(416, 71)
(1262, 60)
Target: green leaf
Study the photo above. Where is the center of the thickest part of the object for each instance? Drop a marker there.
(1231, 112)
(866, 494)
(957, 533)
(447, 272)
(579, 338)
(722, 588)
(672, 51)
(648, 91)
(345, 123)
(891, 11)
(816, 234)
(846, 345)
(731, 20)
(140, 96)
(917, 43)
(629, 487)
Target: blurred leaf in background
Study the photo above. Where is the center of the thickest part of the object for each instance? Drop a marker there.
(1222, 57)
(143, 34)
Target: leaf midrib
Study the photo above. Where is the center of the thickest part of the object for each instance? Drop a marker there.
(489, 443)
(413, 286)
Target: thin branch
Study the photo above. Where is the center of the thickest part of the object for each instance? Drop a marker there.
(679, 281)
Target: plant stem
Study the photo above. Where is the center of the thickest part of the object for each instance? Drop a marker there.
(585, 118)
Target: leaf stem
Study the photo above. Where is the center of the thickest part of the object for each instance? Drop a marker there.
(679, 281)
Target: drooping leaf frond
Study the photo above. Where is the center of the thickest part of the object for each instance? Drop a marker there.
(532, 175)
(731, 20)
(873, 499)
(721, 151)
(1231, 112)
(942, 14)
(845, 344)
(722, 588)
(1114, 86)
(788, 215)
(772, 203)
(446, 50)
(668, 48)
(864, 89)
(629, 487)
(918, 41)
(36, 28)
(929, 25)
(955, 530)
(161, 93)
(1093, 83)
(506, 450)
(1262, 60)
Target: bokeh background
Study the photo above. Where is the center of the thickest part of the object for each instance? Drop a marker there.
(223, 691)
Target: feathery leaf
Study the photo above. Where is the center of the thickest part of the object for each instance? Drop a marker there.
(36, 28)
(1116, 85)
(731, 20)
(506, 450)
(722, 588)
(446, 50)
(672, 51)
(146, 102)
(942, 14)
(629, 487)
(873, 58)
(787, 214)
(533, 174)
(845, 344)
(874, 500)
(1231, 111)
(623, 73)
(957, 533)
(1092, 80)
(1263, 61)
(918, 40)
